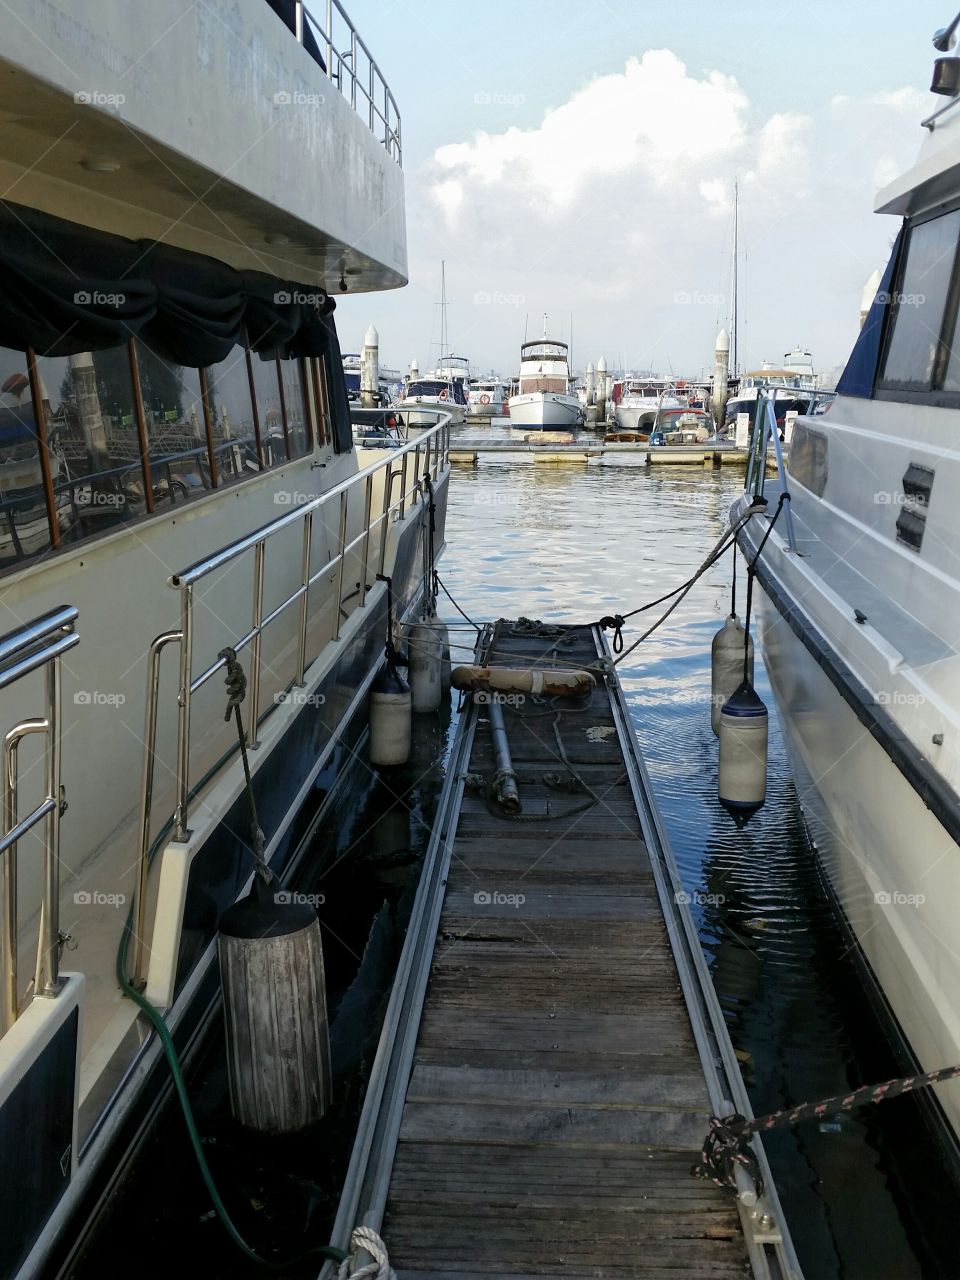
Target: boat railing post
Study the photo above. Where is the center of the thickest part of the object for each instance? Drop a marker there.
(10, 994)
(305, 598)
(782, 475)
(403, 484)
(342, 559)
(367, 504)
(181, 814)
(46, 982)
(415, 487)
(353, 68)
(256, 645)
(329, 40)
(157, 646)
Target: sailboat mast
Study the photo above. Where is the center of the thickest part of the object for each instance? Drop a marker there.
(443, 311)
(734, 365)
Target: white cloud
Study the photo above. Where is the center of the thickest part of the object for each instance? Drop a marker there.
(619, 201)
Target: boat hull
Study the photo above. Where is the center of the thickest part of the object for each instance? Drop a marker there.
(635, 418)
(423, 413)
(891, 864)
(545, 410)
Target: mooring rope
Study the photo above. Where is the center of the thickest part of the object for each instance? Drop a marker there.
(366, 1240)
(725, 1145)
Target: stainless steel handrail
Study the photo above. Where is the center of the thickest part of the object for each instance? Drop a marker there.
(40, 643)
(430, 448)
(345, 73)
(764, 431)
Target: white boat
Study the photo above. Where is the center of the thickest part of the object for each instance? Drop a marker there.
(177, 476)
(860, 618)
(487, 398)
(545, 399)
(640, 401)
(794, 382)
(422, 398)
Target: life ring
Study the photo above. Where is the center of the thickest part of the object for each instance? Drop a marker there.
(443, 394)
(484, 399)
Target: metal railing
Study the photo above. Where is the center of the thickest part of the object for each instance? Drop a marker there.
(38, 644)
(350, 65)
(763, 430)
(407, 466)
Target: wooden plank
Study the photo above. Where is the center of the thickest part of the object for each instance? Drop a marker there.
(558, 1088)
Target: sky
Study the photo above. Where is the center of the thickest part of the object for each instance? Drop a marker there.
(579, 159)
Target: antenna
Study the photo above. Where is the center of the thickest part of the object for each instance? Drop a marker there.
(544, 324)
(526, 320)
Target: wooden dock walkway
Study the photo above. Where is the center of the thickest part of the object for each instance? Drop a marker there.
(469, 451)
(545, 1082)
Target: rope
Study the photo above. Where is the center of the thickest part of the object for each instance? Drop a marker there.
(366, 1240)
(725, 1145)
(236, 682)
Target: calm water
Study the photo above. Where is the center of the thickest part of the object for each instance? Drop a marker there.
(864, 1195)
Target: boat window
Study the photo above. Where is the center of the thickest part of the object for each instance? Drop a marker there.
(234, 428)
(267, 386)
(176, 430)
(97, 471)
(296, 406)
(24, 526)
(425, 388)
(920, 301)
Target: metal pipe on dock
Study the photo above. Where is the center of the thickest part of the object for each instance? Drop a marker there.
(507, 793)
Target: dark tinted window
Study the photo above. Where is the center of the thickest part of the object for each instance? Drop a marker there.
(24, 528)
(920, 301)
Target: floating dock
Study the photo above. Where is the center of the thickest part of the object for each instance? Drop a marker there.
(553, 1047)
(700, 455)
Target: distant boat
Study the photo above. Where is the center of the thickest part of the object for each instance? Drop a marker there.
(641, 401)
(487, 398)
(795, 382)
(422, 397)
(546, 398)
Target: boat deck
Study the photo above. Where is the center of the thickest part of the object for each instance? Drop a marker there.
(555, 1094)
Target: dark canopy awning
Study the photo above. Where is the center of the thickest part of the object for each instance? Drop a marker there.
(65, 288)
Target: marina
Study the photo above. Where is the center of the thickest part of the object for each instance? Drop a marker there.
(466, 815)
